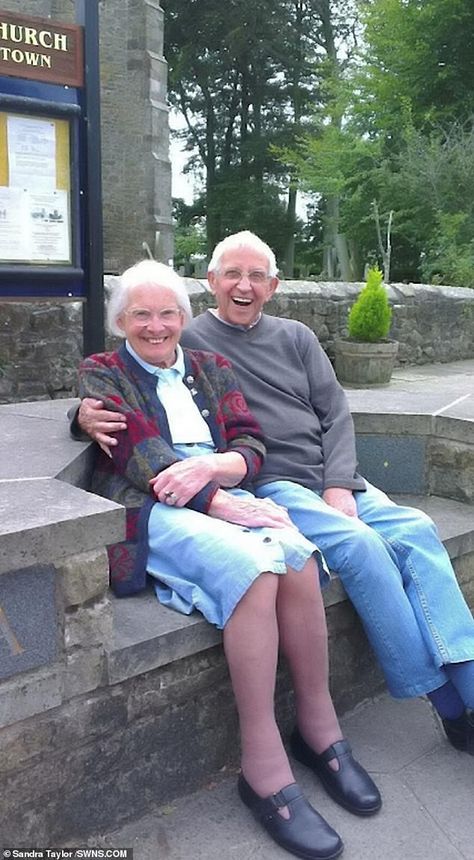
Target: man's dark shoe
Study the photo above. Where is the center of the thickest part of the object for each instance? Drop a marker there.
(460, 732)
(350, 785)
(305, 833)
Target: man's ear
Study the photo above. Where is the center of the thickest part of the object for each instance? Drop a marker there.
(272, 285)
(211, 280)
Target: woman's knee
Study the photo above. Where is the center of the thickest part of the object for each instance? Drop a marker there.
(305, 580)
(261, 595)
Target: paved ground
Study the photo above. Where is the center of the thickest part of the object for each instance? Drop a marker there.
(427, 787)
(433, 389)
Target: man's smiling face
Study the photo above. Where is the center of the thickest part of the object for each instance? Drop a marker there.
(242, 285)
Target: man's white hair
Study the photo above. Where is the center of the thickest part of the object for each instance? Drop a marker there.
(244, 239)
(143, 274)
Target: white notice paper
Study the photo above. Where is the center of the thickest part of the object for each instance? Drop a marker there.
(49, 225)
(12, 234)
(31, 153)
(34, 227)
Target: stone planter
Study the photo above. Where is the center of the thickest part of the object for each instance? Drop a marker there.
(362, 364)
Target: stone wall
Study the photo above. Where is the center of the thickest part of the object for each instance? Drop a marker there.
(40, 342)
(109, 708)
(136, 169)
(98, 723)
(102, 758)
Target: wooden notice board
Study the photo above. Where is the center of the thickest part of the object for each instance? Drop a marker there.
(41, 50)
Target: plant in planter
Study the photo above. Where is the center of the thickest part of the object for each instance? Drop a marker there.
(367, 356)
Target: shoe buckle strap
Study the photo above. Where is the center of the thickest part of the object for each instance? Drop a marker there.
(281, 798)
(336, 750)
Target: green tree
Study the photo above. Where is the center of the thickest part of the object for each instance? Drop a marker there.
(189, 234)
(419, 55)
(224, 79)
(246, 75)
(398, 144)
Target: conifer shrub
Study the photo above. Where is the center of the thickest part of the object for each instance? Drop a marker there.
(371, 315)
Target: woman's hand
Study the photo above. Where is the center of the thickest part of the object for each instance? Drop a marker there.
(249, 512)
(183, 480)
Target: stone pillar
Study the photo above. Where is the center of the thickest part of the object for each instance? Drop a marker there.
(163, 247)
(136, 166)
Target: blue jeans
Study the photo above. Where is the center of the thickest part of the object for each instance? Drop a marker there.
(399, 578)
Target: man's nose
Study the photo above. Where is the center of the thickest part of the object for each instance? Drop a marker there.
(244, 283)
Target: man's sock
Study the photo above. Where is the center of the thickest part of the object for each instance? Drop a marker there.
(447, 701)
(461, 676)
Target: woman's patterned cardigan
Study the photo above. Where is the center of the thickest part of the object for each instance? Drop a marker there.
(145, 447)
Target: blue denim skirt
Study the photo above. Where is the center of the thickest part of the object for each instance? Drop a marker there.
(208, 564)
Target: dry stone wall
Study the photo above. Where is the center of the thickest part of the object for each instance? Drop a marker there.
(41, 342)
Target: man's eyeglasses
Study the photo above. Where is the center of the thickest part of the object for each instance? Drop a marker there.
(144, 316)
(256, 278)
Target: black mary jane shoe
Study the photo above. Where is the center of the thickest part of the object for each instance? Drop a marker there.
(460, 732)
(305, 833)
(350, 786)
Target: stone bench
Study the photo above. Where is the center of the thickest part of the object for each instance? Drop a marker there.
(109, 706)
(420, 451)
(150, 635)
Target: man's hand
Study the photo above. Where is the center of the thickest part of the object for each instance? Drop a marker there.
(341, 499)
(99, 423)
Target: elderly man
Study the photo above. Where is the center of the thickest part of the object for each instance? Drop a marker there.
(389, 558)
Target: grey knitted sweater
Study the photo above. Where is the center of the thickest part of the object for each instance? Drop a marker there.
(291, 388)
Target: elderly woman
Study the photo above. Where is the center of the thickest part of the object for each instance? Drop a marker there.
(181, 468)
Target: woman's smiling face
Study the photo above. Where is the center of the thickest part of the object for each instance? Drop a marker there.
(152, 323)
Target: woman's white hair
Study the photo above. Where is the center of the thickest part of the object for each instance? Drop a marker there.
(244, 239)
(144, 274)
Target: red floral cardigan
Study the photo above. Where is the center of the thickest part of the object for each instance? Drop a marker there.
(145, 448)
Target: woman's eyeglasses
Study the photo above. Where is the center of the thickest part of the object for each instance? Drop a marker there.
(144, 316)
